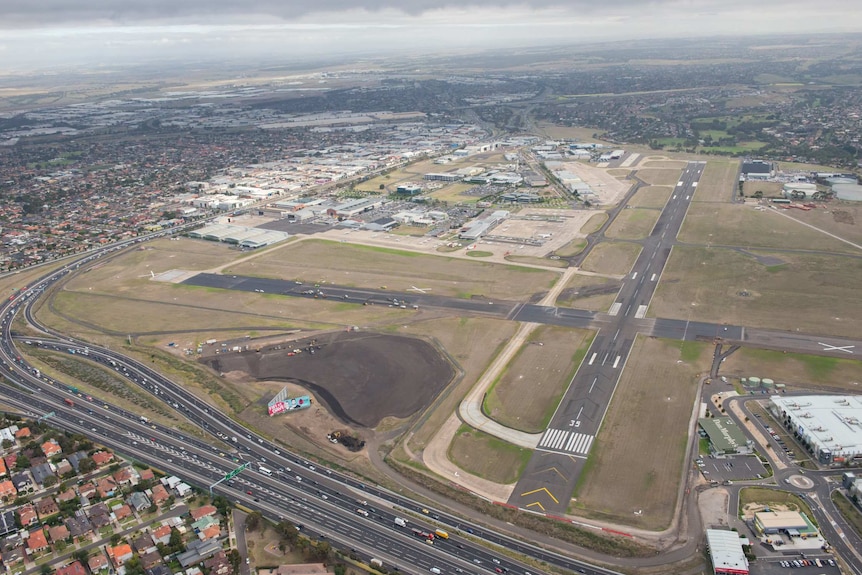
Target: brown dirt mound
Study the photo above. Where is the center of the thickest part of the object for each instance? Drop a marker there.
(362, 377)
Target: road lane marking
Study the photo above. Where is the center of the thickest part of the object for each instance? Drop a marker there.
(593, 384)
(652, 279)
(635, 275)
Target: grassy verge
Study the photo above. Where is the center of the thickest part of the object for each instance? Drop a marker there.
(849, 511)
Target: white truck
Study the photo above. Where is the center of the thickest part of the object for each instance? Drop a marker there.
(375, 562)
(400, 522)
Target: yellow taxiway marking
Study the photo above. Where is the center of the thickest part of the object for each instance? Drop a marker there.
(542, 507)
(545, 489)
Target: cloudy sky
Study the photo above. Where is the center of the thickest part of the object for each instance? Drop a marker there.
(45, 33)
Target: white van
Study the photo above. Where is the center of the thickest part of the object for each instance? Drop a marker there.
(264, 470)
(435, 571)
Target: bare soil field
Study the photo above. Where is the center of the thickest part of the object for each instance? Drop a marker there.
(529, 390)
(807, 292)
(362, 377)
(633, 224)
(595, 223)
(594, 293)
(743, 226)
(487, 457)
(651, 197)
(615, 258)
(471, 343)
(659, 176)
(640, 449)
(769, 189)
(318, 261)
(719, 181)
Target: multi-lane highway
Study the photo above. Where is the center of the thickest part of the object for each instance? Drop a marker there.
(323, 501)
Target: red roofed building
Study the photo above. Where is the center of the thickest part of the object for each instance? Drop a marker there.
(22, 433)
(122, 512)
(147, 475)
(27, 514)
(58, 533)
(7, 489)
(203, 511)
(119, 554)
(100, 458)
(2, 467)
(37, 541)
(162, 534)
(97, 563)
(74, 568)
(51, 448)
(160, 494)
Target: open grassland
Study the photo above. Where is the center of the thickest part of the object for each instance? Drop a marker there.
(594, 224)
(759, 497)
(572, 248)
(589, 292)
(768, 189)
(651, 197)
(848, 510)
(529, 390)
(615, 258)
(743, 226)
(633, 224)
(798, 167)
(454, 193)
(415, 231)
(808, 292)
(659, 176)
(670, 164)
(640, 449)
(796, 369)
(619, 172)
(487, 457)
(844, 219)
(471, 344)
(318, 261)
(719, 181)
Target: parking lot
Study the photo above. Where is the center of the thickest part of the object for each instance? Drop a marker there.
(735, 468)
(774, 566)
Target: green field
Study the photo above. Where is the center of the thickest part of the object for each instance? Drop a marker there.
(718, 183)
(633, 224)
(807, 292)
(529, 390)
(487, 457)
(612, 258)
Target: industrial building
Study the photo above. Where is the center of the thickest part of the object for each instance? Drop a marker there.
(846, 188)
(438, 177)
(725, 550)
(239, 235)
(408, 189)
(355, 207)
(829, 426)
(791, 523)
(725, 437)
(799, 190)
(756, 170)
(480, 227)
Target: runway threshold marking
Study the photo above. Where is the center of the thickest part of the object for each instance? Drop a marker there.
(593, 358)
(615, 308)
(616, 362)
(566, 441)
(641, 312)
(652, 279)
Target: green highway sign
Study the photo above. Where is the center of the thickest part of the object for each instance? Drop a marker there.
(236, 471)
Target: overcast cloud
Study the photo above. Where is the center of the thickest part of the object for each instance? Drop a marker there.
(38, 33)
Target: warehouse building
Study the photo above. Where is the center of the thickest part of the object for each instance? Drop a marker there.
(725, 550)
(829, 426)
(725, 437)
(238, 235)
(791, 523)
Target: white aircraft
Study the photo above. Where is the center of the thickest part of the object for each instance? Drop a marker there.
(420, 290)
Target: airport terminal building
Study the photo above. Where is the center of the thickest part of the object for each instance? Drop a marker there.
(829, 426)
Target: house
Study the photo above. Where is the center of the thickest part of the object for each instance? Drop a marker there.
(46, 507)
(139, 501)
(143, 544)
(124, 476)
(58, 533)
(146, 475)
(211, 532)
(197, 551)
(87, 490)
(51, 448)
(99, 516)
(74, 568)
(64, 467)
(101, 458)
(10, 461)
(2, 468)
(79, 526)
(150, 559)
(36, 542)
(98, 563)
(76, 458)
(22, 433)
(183, 489)
(297, 569)
(204, 523)
(160, 494)
(12, 551)
(22, 481)
(203, 511)
(7, 524)
(41, 472)
(122, 512)
(162, 534)
(119, 554)
(7, 489)
(106, 487)
(160, 569)
(65, 496)
(218, 564)
(8, 433)
(27, 514)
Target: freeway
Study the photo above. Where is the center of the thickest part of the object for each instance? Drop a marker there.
(322, 499)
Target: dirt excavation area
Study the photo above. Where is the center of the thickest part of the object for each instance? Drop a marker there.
(361, 377)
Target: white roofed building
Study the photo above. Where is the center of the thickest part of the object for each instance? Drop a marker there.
(725, 550)
(829, 426)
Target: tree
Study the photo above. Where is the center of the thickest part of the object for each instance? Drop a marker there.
(81, 555)
(253, 521)
(87, 465)
(322, 550)
(234, 558)
(50, 481)
(22, 463)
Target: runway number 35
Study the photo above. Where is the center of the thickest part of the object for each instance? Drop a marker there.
(574, 423)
